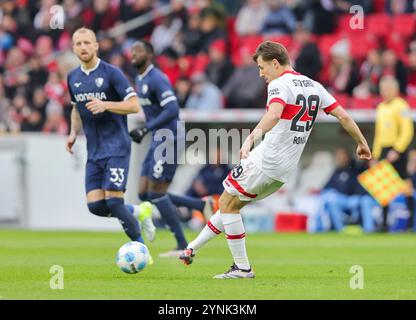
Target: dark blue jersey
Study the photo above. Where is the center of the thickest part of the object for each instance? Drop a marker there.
(107, 133)
(158, 100)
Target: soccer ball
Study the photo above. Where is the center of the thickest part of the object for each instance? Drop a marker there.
(132, 257)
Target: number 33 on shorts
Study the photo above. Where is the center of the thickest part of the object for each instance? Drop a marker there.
(117, 176)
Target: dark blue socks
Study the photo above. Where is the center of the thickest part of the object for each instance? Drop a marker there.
(188, 202)
(170, 216)
(114, 207)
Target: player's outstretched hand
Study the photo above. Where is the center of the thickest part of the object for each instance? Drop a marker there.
(138, 134)
(363, 152)
(96, 106)
(70, 141)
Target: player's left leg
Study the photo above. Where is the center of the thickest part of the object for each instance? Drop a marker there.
(114, 184)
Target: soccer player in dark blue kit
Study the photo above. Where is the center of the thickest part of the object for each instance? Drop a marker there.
(102, 97)
(161, 108)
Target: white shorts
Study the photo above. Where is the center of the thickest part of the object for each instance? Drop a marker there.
(249, 183)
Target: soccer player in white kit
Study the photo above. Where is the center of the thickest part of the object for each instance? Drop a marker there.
(292, 106)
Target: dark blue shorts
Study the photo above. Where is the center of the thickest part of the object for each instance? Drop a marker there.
(156, 166)
(107, 174)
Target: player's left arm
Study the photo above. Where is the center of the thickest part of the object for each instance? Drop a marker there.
(363, 150)
(267, 122)
(129, 103)
(169, 110)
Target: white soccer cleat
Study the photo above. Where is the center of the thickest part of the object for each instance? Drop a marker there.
(236, 273)
(143, 212)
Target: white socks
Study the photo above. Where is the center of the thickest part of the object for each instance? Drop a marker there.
(236, 238)
(213, 228)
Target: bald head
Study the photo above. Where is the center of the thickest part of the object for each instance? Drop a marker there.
(85, 32)
(389, 87)
(85, 45)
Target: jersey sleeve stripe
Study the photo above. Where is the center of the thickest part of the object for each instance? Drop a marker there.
(331, 107)
(131, 94)
(278, 100)
(167, 100)
(240, 188)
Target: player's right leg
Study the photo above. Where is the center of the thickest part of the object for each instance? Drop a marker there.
(213, 228)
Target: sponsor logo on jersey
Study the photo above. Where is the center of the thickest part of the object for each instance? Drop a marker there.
(82, 97)
(77, 84)
(99, 82)
(274, 92)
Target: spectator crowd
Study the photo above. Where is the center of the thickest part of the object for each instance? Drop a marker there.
(205, 48)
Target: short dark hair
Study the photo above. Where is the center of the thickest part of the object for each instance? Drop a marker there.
(270, 50)
(147, 46)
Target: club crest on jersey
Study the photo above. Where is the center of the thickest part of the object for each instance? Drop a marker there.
(145, 88)
(99, 82)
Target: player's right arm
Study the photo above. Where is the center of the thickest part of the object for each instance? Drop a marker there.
(76, 126)
(269, 120)
(363, 150)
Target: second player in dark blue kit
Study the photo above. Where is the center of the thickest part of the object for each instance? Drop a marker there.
(162, 112)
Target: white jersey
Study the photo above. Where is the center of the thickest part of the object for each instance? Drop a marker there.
(279, 152)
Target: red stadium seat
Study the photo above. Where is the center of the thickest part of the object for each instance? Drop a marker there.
(364, 103)
(248, 42)
(343, 99)
(378, 5)
(325, 43)
(396, 42)
(404, 24)
(360, 44)
(378, 24)
(411, 100)
(282, 39)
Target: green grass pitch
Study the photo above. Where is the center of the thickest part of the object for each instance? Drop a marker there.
(287, 266)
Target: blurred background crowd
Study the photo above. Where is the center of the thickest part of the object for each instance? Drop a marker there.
(205, 48)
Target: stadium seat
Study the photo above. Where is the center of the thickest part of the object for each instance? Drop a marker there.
(343, 99)
(411, 100)
(379, 24)
(325, 43)
(404, 24)
(396, 42)
(360, 44)
(364, 103)
(282, 39)
(379, 5)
